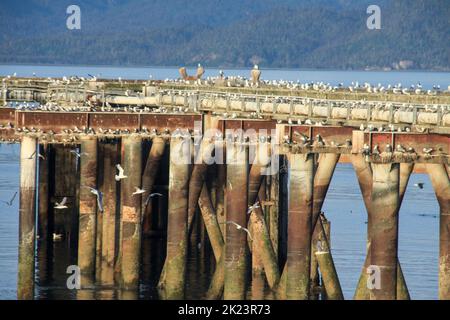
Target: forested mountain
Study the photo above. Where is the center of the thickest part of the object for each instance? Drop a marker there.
(228, 33)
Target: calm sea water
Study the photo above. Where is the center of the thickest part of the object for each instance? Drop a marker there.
(344, 207)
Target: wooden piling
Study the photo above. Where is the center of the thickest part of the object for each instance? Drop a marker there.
(384, 237)
(173, 277)
(148, 178)
(88, 209)
(236, 240)
(27, 216)
(109, 189)
(44, 194)
(301, 183)
(131, 211)
(441, 184)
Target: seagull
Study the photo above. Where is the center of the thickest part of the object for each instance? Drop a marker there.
(99, 196)
(79, 154)
(419, 185)
(120, 176)
(253, 207)
(33, 154)
(152, 195)
(239, 227)
(428, 151)
(10, 202)
(138, 191)
(62, 204)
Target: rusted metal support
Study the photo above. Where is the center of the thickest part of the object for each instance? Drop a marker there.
(236, 239)
(173, 276)
(441, 184)
(384, 235)
(44, 194)
(109, 189)
(148, 179)
(27, 215)
(301, 184)
(88, 209)
(131, 210)
(216, 286)
(274, 219)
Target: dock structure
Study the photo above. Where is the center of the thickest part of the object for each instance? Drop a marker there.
(250, 167)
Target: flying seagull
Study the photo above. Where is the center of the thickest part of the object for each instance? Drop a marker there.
(253, 207)
(138, 191)
(10, 202)
(33, 154)
(62, 204)
(239, 227)
(99, 196)
(78, 154)
(419, 185)
(121, 175)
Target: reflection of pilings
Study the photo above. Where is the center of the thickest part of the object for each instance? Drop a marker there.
(88, 207)
(299, 225)
(131, 211)
(148, 178)
(441, 185)
(173, 277)
(44, 195)
(236, 239)
(27, 208)
(109, 189)
(384, 235)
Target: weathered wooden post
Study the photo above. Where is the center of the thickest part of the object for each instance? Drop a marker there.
(236, 208)
(384, 237)
(27, 216)
(109, 189)
(301, 184)
(173, 275)
(44, 194)
(88, 209)
(131, 210)
(441, 184)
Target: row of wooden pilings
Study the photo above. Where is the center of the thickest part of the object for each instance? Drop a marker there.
(278, 198)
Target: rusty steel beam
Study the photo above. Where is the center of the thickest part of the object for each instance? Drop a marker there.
(384, 235)
(88, 209)
(131, 211)
(441, 184)
(173, 276)
(301, 185)
(236, 239)
(109, 189)
(148, 179)
(27, 215)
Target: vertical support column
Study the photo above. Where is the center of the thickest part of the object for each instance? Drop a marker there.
(88, 209)
(384, 235)
(301, 184)
(274, 218)
(44, 194)
(27, 208)
(109, 190)
(441, 185)
(236, 208)
(148, 178)
(173, 279)
(131, 210)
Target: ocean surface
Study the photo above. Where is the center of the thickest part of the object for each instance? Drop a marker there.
(344, 207)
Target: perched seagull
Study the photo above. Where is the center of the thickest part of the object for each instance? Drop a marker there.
(239, 227)
(78, 154)
(99, 196)
(253, 207)
(138, 191)
(62, 204)
(120, 176)
(10, 202)
(152, 195)
(419, 185)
